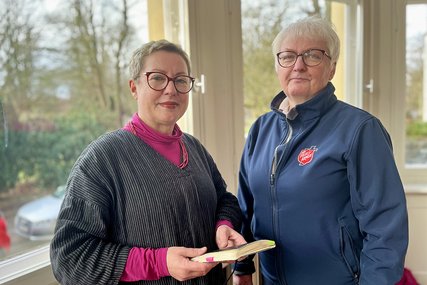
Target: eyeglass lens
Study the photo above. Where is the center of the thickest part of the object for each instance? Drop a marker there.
(310, 58)
(158, 81)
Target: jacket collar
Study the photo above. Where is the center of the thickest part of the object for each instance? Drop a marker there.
(314, 107)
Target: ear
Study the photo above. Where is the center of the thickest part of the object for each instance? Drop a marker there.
(132, 87)
(333, 69)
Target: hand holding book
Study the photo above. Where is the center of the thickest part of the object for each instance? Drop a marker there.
(236, 253)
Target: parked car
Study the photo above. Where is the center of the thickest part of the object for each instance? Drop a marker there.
(36, 220)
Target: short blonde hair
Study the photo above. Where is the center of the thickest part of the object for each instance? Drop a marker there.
(313, 27)
(140, 55)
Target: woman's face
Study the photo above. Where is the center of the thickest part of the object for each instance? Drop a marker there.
(160, 109)
(300, 82)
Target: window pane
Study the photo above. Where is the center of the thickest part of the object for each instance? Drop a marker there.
(416, 86)
(63, 82)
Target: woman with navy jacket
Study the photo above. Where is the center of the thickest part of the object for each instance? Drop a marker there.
(318, 176)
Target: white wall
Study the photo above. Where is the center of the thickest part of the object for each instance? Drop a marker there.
(416, 259)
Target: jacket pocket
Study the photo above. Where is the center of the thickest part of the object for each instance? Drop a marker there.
(348, 252)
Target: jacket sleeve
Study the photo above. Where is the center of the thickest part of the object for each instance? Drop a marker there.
(379, 203)
(80, 251)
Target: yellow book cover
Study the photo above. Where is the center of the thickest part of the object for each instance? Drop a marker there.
(235, 253)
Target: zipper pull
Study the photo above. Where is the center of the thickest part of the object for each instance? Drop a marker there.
(272, 179)
(356, 278)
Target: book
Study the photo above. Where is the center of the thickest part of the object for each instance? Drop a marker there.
(236, 253)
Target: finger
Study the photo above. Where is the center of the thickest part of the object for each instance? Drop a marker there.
(181, 268)
(190, 252)
(222, 242)
(197, 269)
(193, 252)
(222, 237)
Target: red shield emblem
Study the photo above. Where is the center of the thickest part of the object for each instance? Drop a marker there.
(306, 155)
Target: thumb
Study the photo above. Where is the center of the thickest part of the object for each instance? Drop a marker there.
(193, 252)
(222, 242)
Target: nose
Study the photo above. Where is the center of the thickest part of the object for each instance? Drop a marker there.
(299, 64)
(170, 88)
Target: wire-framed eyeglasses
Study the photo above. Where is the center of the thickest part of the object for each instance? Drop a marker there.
(158, 81)
(311, 57)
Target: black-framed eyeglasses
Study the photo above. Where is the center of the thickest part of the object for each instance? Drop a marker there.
(158, 81)
(311, 57)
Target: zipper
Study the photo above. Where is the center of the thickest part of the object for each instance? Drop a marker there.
(343, 233)
(274, 166)
(275, 163)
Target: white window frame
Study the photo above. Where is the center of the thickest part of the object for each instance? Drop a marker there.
(384, 70)
(27, 268)
(354, 51)
(216, 52)
(415, 178)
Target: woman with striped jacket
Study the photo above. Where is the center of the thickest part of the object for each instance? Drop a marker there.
(143, 200)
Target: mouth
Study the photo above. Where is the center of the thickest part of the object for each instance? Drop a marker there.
(168, 104)
(299, 79)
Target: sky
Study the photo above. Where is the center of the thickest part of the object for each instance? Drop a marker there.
(416, 19)
(137, 13)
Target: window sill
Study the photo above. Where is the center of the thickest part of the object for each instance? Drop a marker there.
(23, 265)
(415, 188)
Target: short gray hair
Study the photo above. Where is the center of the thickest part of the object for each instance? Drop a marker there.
(140, 55)
(313, 27)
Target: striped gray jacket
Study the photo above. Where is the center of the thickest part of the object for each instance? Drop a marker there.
(122, 194)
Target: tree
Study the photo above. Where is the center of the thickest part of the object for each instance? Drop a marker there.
(60, 84)
(98, 38)
(18, 44)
